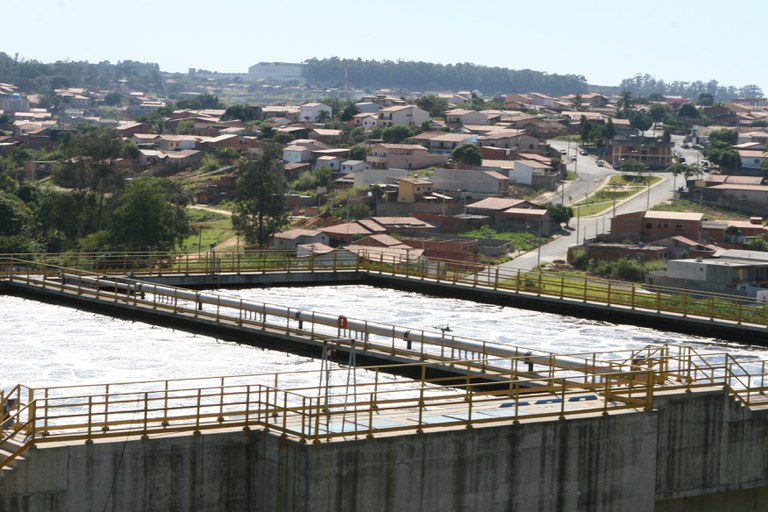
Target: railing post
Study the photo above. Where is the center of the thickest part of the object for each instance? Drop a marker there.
(146, 415)
(89, 435)
(197, 414)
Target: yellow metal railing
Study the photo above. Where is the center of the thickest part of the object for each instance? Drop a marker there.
(666, 300)
(364, 405)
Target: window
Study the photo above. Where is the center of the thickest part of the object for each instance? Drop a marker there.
(649, 225)
(678, 227)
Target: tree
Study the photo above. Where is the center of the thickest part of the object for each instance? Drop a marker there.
(358, 152)
(90, 167)
(624, 105)
(688, 111)
(706, 99)
(560, 213)
(260, 205)
(585, 129)
(242, 112)
(610, 129)
(435, 105)
(150, 214)
(639, 120)
(201, 102)
(666, 136)
(323, 116)
(730, 160)
(113, 98)
(396, 134)
(467, 154)
(577, 101)
(632, 166)
(658, 112)
(350, 110)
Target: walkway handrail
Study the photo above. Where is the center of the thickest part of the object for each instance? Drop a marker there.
(667, 300)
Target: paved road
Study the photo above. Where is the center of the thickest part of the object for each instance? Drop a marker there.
(590, 176)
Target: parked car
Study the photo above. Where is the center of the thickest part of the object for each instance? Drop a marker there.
(583, 152)
(573, 158)
(600, 163)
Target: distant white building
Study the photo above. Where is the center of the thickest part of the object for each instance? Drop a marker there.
(309, 112)
(283, 71)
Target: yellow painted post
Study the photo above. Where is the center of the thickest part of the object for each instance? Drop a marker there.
(197, 415)
(684, 300)
(584, 291)
(221, 400)
(89, 438)
(649, 391)
(248, 407)
(658, 301)
(562, 286)
(633, 297)
(106, 408)
(146, 414)
(539, 286)
(421, 398)
(738, 313)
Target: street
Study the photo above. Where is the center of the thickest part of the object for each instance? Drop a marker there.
(589, 178)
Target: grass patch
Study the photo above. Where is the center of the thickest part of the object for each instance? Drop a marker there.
(619, 188)
(712, 213)
(207, 228)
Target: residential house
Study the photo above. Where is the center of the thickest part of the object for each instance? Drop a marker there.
(542, 128)
(752, 199)
(130, 128)
(459, 116)
(289, 240)
(144, 108)
(533, 172)
(510, 214)
(178, 142)
(405, 156)
(325, 135)
(445, 143)
(383, 247)
(752, 159)
(311, 112)
(510, 139)
(365, 120)
(732, 233)
(471, 181)
(349, 166)
(651, 151)
(296, 153)
(289, 112)
(410, 189)
(733, 272)
(11, 101)
(402, 115)
(367, 176)
(329, 162)
(680, 247)
(322, 255)
(649, 226)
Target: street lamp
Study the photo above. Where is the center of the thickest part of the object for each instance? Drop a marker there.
(538, 244)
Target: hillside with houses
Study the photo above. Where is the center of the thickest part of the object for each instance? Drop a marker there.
(407, 176)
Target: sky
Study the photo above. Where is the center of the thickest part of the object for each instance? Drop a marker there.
(606, 41)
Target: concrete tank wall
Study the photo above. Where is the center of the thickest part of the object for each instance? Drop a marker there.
(695, 451)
